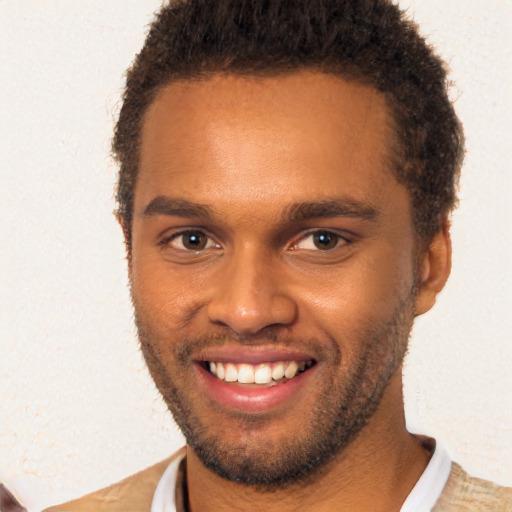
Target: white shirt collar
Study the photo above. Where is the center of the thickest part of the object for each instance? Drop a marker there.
(429, 487)
(422, 498)
(164, 497)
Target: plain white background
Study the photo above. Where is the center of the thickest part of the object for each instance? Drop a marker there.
(78, 410)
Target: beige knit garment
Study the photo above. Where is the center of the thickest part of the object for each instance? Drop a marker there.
(462, 493)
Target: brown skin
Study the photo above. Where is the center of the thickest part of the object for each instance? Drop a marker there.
(247, 149)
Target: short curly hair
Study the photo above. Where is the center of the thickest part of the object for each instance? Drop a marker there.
(370, 41)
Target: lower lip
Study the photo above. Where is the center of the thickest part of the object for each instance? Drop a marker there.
(251, 399)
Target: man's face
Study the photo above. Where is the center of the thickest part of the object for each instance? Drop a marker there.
(270, 237)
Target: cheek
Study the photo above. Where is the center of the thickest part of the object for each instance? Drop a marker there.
(356, 297)
(165, 297)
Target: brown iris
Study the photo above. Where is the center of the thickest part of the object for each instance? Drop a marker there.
(194, 240)
(325, 240)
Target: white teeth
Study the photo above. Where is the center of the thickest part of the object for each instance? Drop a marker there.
(291, 370)
(278, 371)
(263, 375)
(246, 374)
(221, 372)
(231, 373)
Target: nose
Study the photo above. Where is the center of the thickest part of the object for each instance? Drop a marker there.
(248, 297)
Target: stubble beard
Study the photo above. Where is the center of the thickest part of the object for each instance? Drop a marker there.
(326, 429)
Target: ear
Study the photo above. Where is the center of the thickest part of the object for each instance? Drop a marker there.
(127, 240)
(435, 264)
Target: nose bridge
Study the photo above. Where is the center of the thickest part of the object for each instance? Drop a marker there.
(246, 267)
(249, 296)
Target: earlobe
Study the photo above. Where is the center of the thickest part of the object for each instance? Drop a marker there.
(434, 268)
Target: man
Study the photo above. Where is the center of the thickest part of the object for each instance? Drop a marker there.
(287, 174)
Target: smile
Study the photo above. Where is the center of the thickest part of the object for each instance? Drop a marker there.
(268, 373)
(254, 379)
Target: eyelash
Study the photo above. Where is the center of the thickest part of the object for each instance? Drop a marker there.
(339, 240)
(168, 240)
(210, 243)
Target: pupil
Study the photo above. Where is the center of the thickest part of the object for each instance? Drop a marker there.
(325, 240)
(194, 241)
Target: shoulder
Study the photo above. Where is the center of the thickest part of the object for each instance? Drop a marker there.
(464, 493)
(133, 494)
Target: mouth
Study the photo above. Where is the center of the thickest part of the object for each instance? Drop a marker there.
(241, 379)
(268, 373)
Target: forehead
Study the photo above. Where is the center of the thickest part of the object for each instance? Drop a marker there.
(236, 138)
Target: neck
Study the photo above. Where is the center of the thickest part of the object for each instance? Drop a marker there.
(375, 472)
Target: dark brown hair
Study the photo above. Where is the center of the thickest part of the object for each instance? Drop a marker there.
(371, 41)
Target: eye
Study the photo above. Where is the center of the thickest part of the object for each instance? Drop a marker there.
(320, 241)
(191, 240)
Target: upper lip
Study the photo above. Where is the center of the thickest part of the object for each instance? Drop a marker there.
(251, 355)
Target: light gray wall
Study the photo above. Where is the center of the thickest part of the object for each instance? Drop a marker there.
(78, 410)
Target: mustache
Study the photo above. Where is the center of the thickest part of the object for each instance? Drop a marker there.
(190, 347)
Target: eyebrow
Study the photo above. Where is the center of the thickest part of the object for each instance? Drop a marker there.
(164, 205)
(171, 206)
(331, 208)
